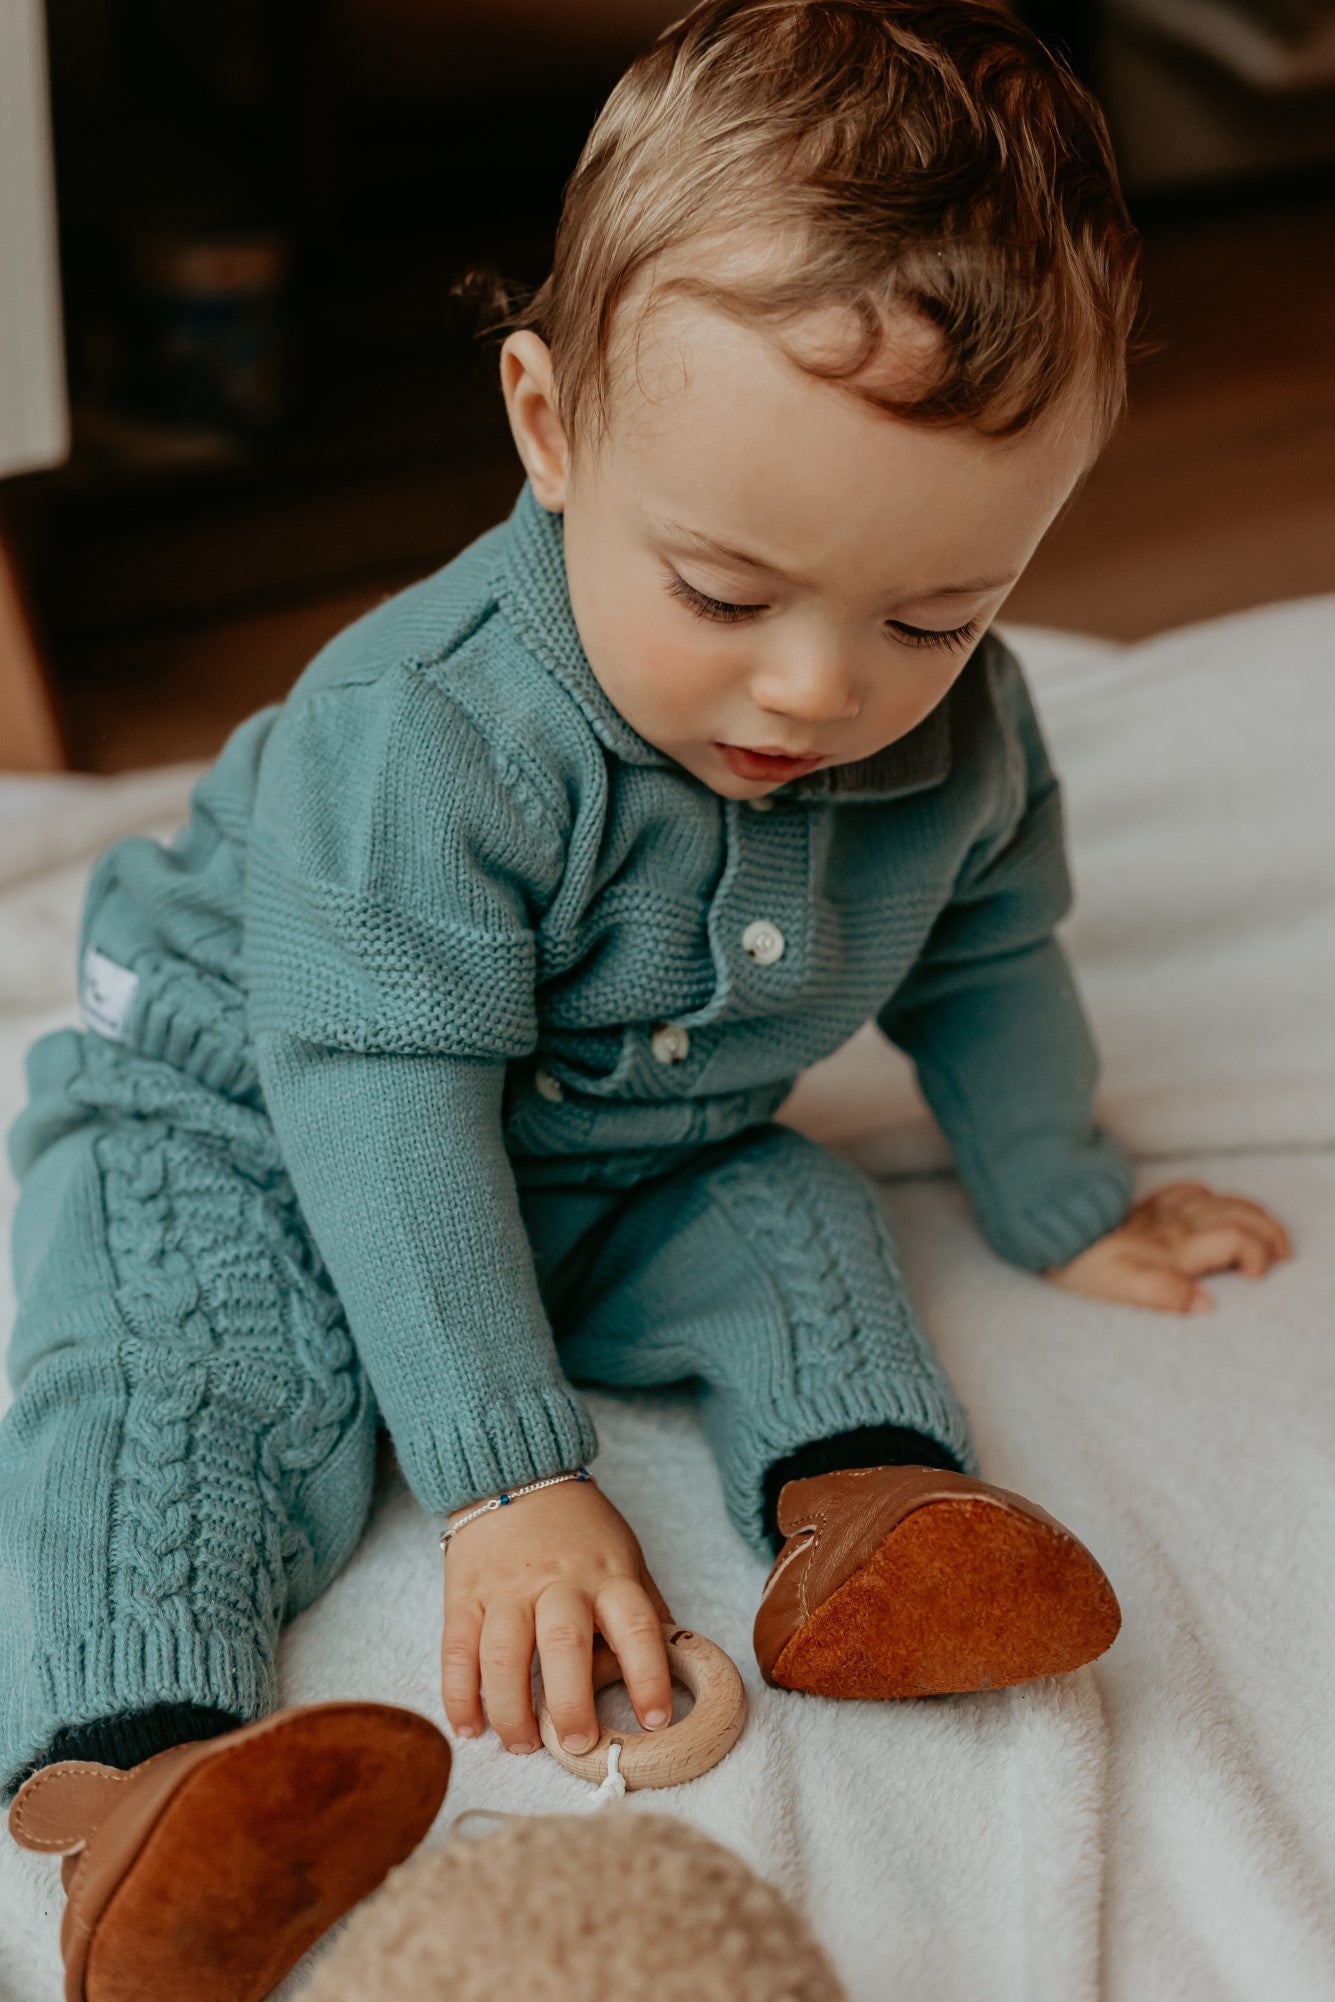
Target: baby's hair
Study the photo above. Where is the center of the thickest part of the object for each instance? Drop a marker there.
(890, 156)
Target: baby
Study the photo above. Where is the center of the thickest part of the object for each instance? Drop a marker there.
(431, 1071)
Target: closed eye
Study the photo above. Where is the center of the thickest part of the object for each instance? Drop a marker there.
(718, 609)
(954, 637)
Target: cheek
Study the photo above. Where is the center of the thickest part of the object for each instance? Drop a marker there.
(916, 687)
(674, 677)
(682, 682)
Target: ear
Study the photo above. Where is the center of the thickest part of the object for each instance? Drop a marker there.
(530, 402)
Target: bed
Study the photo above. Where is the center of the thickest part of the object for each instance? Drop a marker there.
(1161, 1825)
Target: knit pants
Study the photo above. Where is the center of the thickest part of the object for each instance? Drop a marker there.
(189, 1456)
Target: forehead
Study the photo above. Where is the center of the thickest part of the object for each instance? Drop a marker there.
(713, 424)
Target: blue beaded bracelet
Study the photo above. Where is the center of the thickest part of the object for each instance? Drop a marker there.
(507, 1495)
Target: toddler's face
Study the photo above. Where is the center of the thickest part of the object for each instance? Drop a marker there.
(761, 561)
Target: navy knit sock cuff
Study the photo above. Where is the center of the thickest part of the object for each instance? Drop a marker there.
(864, 1446)
(136, 1735)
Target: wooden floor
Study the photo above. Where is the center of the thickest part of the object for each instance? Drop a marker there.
(1218, 493)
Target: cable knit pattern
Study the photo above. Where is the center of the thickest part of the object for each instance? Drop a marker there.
(168, 1378)
(185, 1377)
(763, 1269)
(196, 1021)
(805, 1217)
(214, 1277)
(391, 1006)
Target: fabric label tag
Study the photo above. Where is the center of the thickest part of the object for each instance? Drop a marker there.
(107, 995)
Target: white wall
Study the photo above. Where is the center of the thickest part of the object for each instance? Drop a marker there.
(33, 416)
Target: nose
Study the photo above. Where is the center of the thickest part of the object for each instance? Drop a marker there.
(810, 688)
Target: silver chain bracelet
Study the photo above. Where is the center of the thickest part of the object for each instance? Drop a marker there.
(507, 1495)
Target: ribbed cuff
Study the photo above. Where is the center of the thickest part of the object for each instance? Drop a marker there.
(126, 1740)
(524, 1437)
(750, 1446)
(864, 1446)
(122, 1668)
(1060, 1228)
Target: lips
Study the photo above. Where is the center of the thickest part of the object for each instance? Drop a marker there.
(749, 764)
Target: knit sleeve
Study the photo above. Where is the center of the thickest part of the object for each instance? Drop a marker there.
(396, 858)
(398, 862)
(994, 1024)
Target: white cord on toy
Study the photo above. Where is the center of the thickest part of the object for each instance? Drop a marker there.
(614, 1786)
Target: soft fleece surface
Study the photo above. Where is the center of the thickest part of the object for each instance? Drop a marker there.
(1162, 1825)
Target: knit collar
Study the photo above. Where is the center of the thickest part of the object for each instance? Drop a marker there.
(533, 590)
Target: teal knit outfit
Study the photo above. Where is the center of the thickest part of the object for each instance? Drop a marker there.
(430, 1073)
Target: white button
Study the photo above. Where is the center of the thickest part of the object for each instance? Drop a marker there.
(760, 804)
(549, 1086)
(670, 1042)
(763, 940)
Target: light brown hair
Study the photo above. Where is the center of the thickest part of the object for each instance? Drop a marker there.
(928, 155)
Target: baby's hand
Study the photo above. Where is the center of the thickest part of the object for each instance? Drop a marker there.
(549, 1569)
(1169, 1240)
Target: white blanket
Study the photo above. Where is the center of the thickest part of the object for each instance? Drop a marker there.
(1162, 1825)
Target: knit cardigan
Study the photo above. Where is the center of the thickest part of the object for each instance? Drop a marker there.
(447, 900)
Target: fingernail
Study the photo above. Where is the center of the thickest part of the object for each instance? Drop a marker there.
(525, 1745)
(578, 1741)
(467, 1731)
(653, 1718)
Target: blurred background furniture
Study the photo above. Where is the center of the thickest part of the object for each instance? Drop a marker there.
(278, 418)
(33, 427)
(1219, 90)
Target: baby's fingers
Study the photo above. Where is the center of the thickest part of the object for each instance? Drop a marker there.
(659, 1603)
(635, 1635)
(565, 1650)
(1249, 1216)
(460, 1677)
(1221, 1248)
(1161, 1288)
(507, 1661)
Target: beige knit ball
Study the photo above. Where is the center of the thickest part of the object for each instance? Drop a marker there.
(610, 1906)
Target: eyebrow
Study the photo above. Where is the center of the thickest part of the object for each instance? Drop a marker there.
(699, 540)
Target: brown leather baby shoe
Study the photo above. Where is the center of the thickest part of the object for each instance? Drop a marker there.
(205, 1873)
(904, 1581)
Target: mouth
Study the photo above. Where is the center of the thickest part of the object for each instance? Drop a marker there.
(747, 763)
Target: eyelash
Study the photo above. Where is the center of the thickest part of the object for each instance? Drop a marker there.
(711, 608)
(725, 614)
(953, 640)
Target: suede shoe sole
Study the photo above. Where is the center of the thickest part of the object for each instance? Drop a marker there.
(926, 1584)
(212, 1868)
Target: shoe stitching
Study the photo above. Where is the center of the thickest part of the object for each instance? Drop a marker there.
(18, 1812)
(782, 1563)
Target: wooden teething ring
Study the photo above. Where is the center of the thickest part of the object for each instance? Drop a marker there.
(677, 1752)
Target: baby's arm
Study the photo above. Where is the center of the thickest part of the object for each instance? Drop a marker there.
(992, 1017)
(396, 867)
(993, 1021)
